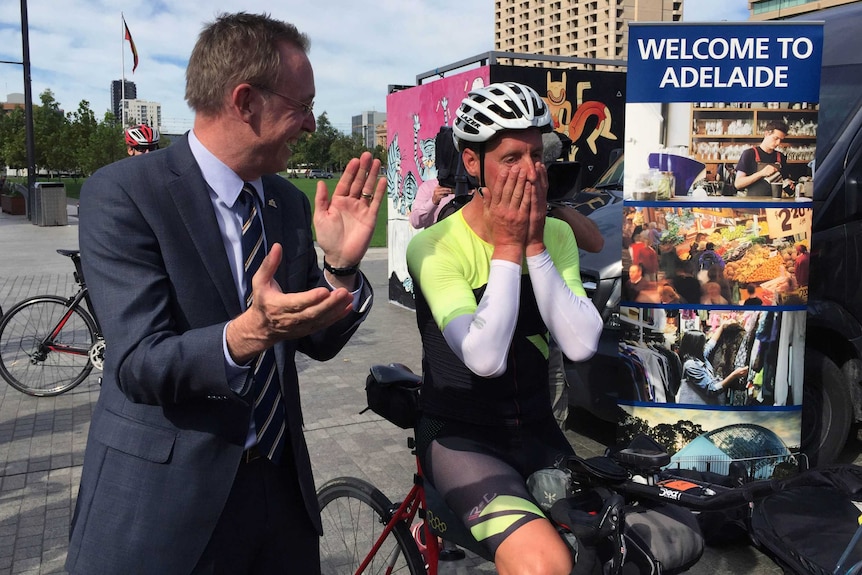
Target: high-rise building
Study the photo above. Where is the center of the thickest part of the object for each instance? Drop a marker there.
(593, 29)
(143, 112)
(365, 124)
(117, 96)
(778, 9)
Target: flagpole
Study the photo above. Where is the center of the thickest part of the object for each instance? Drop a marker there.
(123, 74)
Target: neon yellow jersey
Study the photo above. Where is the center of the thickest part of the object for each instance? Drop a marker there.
(452, 261)
(449, 265)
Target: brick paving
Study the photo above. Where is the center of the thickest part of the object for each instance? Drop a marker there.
(42, 440)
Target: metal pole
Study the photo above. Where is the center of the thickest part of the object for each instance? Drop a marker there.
(28, 107)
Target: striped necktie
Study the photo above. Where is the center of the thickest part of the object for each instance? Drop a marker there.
(269, 419)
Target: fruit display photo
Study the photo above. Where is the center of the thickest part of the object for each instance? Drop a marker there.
(722, 256)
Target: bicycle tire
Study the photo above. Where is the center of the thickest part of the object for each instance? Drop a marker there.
(353, 513)
(29, 367)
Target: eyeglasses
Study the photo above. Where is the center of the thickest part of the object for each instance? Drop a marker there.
(308, 108)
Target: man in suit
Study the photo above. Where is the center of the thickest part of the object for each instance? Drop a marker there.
(175, 479)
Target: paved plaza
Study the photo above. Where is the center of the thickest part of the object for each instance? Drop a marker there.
(42, 440)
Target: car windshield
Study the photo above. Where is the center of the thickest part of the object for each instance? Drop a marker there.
(613, 176)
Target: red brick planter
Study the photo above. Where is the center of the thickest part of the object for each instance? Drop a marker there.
(13, 204)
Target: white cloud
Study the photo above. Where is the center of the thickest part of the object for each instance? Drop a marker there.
(357, 48)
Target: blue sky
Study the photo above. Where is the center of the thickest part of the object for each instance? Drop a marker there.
(77, 47)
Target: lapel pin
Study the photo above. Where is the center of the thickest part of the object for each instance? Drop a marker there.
(271, 203)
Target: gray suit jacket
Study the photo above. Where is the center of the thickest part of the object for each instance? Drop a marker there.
(167, 432)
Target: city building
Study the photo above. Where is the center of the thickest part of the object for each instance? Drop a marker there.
(590, 29)
(380, 135)
(778, 9)
(142, 112)
(366, 125)
(13, 100)
(117, 95)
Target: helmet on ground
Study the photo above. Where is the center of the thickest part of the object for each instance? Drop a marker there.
(491, 109)
(142, 136)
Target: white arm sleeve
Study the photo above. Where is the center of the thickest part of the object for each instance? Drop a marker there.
(573, 320)
(482, 340)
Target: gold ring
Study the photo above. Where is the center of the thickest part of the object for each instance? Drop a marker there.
(367, 196)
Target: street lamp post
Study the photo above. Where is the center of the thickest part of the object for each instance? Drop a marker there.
(28, 105)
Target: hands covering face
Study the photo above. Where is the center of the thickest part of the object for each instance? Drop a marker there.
(516, 205)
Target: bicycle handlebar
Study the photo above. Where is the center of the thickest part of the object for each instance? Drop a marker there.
(711, 497)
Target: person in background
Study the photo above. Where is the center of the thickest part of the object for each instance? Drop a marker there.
(643, 254)
(667, 294)
(589, 239)
(491, 281)
(764, 163)
(431, 197)
(801, 265)
(668, 258)
(750, 293)
(196, 461)
(638, 287)
(700, 385)
(141, 139)
(685, 284)
(696, 247)
(712, 294)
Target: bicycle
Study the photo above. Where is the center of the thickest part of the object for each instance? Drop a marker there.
(49, 344)
(364, 532)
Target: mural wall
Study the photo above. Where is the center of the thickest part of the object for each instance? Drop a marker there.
(588, 108)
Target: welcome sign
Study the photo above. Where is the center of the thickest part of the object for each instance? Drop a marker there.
(724, 62)
(715, 279)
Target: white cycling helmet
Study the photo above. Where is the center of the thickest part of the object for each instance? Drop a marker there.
(496, 107)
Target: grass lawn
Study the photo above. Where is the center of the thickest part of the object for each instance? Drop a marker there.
(308, 187)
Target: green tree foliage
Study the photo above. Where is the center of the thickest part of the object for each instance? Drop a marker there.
(13, 139)
(53, 153)
(79, 143)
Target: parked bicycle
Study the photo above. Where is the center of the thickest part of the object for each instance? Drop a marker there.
(49, 344)
(617, 513)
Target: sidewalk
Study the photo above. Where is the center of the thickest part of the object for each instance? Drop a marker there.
(42, 440)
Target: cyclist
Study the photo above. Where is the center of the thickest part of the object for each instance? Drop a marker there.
(141, 139)
(491, 281)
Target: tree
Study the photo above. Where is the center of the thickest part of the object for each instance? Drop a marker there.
(49, 128)
(13, 139)
(380, 153)
(344, 148)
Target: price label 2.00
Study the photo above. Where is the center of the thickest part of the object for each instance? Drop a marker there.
(788, 221)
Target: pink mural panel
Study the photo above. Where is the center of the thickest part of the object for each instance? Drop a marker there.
(413, 118)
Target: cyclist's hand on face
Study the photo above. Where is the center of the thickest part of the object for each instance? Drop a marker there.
(538, 211)
(276, 316)
(507, 213)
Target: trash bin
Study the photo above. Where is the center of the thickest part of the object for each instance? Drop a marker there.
(48, 205)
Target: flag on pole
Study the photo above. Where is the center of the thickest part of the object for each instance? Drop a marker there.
(132, 45)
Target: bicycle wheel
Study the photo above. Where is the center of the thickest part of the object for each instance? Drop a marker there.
(44, 346)
(353, 513)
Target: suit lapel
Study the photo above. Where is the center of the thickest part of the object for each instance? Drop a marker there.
(273, 225)
(192, 199)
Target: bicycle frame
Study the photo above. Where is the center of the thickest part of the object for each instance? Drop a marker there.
(50, 345)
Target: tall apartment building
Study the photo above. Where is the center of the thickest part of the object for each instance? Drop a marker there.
(365, 124)
(595, 29)
(143, 112)
(117, 95)
(778, 9)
